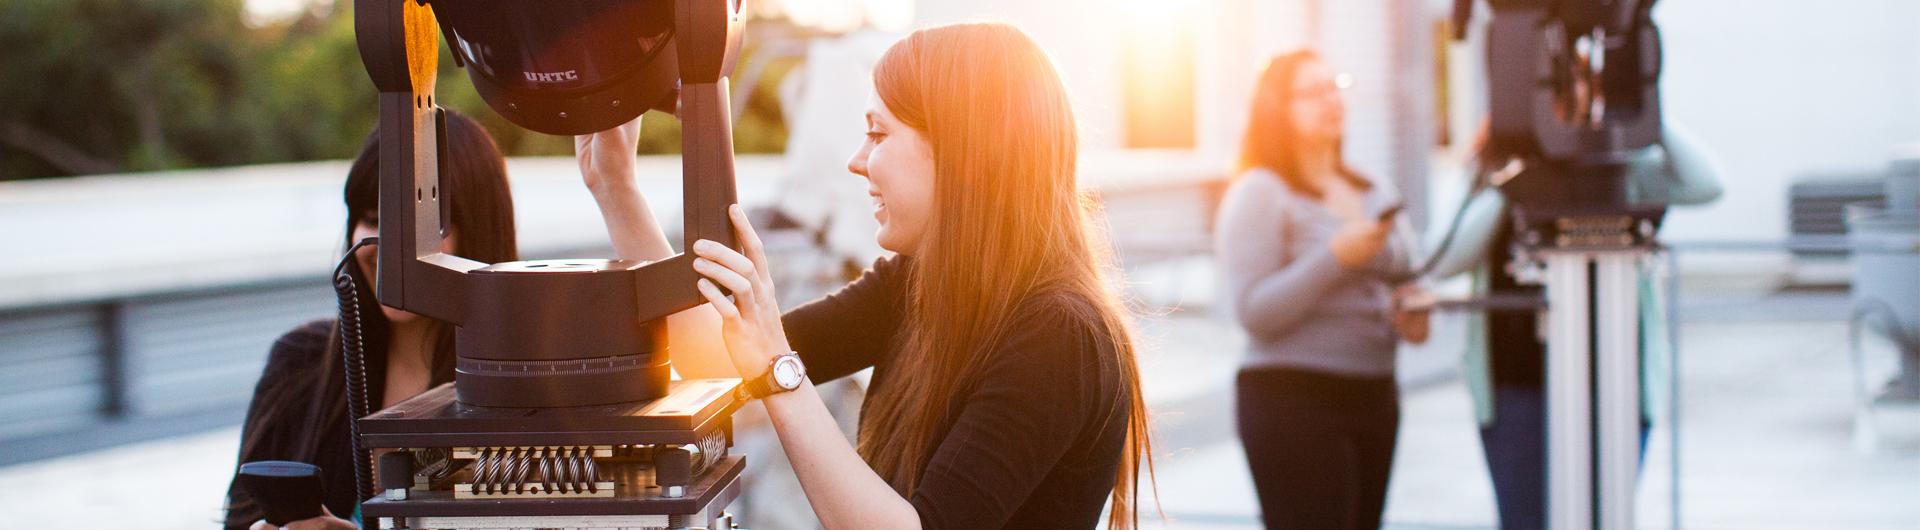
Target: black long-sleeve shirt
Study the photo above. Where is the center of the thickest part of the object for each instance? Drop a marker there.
(304, 437)
(1034, 437)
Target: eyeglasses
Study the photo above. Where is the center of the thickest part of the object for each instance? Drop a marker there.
(1341, 82)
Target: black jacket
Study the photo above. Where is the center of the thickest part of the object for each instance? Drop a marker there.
(306, 433)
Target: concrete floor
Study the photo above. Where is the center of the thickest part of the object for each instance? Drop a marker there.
(1769, 439)
(1767, 443)
(1768, 431)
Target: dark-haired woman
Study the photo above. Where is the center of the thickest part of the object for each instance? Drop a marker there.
(1005, 389)
(1313, 258)
(299, 408)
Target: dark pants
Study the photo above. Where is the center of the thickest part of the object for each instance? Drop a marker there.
(1320, 446)
(1516, 448)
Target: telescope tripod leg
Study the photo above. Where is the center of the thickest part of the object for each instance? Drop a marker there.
(1618, 288)
(1569, 395)
(1593, 388)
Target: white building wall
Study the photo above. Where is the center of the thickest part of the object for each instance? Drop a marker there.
(1089, 61)
(1245, 34)
(1779, 88)
(1383, 43)
(1387, 46)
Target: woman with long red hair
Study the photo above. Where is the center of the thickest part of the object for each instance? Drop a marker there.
(1005, 392)
(1313, 255)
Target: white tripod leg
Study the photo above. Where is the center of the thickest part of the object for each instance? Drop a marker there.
(1617, 325)
(1569, 392)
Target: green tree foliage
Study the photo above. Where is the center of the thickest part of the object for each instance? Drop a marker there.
(102, 85)
(98, 86)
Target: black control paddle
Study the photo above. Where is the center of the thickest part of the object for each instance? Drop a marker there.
(286, 491)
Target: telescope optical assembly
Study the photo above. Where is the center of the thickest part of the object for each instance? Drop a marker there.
(561, 413)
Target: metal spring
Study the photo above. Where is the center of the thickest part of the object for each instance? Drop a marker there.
(440, 460)
(555, 469)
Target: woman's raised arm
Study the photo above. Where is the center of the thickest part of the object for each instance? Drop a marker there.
(607, 166)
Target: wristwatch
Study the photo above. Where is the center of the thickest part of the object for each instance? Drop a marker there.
(784, 375)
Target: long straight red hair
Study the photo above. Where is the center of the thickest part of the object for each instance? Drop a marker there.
(1270, 141)
(1010, 226)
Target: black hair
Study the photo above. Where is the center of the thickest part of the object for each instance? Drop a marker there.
(480, 207)
(481, 222)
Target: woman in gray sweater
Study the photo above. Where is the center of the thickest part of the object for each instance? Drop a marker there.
(1313, 254)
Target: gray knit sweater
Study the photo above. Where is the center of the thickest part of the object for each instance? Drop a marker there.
(1300, 307)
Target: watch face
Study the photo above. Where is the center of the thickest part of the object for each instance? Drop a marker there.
(786, 373)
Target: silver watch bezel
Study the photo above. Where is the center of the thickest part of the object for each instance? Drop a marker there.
(780, 379)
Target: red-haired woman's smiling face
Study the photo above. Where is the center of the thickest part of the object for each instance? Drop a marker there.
(897, 162)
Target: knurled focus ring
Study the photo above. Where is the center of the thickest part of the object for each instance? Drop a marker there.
(564, 366)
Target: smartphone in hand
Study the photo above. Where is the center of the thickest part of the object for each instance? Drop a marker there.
(1387, 211)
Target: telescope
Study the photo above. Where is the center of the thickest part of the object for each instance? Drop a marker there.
(1573, 94)
(1573, 90)
(561, 413)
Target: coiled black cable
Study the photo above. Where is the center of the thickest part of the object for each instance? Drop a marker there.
(346, 284)
(1446, 241)
(1481, 182)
